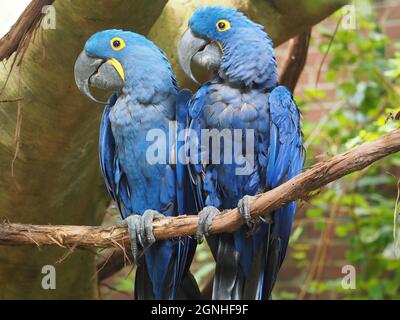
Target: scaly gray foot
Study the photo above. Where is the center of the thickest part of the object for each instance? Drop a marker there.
(134, 223)
(244, 210)
(147, 225)
(140, 229)
(206, 216)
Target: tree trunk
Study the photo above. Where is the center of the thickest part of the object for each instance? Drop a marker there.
(49, 170)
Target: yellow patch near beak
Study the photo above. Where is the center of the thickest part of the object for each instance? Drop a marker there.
(220, 46)
(118, 66)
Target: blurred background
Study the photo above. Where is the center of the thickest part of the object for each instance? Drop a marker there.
(348, 92)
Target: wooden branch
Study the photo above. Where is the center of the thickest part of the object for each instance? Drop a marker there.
(23, 29)
(297, 188)
(296, 60)
(11, 100)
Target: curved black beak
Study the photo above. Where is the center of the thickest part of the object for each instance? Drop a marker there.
(188, 47)
(100, 73)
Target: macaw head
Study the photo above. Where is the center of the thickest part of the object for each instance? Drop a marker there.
(226, 41)
(115, 60)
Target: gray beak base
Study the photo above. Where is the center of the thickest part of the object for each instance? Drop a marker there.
(95, 72)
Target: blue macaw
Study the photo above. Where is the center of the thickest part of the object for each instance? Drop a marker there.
(243, 94)
(145, 98)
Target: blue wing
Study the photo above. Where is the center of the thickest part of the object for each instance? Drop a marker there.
(114, 177)
(186, 198)
(286, 153)
(203, 179)
(193, 144)
(285, 160)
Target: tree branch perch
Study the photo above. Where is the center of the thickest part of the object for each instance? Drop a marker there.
(296, 60)
(21, 32)
(299, 187)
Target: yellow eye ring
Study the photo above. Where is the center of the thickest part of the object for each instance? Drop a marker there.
(117, 43)
(223, 25)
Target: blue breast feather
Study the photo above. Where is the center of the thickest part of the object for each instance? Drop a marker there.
(114, 179)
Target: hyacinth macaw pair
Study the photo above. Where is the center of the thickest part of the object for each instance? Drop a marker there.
(243, 94)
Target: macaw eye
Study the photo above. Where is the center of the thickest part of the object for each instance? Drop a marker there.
(117, 44)
(223, 25)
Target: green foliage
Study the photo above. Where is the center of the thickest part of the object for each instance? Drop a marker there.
(366, 76)
(203, 264)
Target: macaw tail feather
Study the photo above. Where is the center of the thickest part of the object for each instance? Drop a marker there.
(231, 282)
(227, 278)
(143, 285)
(272, 267)
(188, 290)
